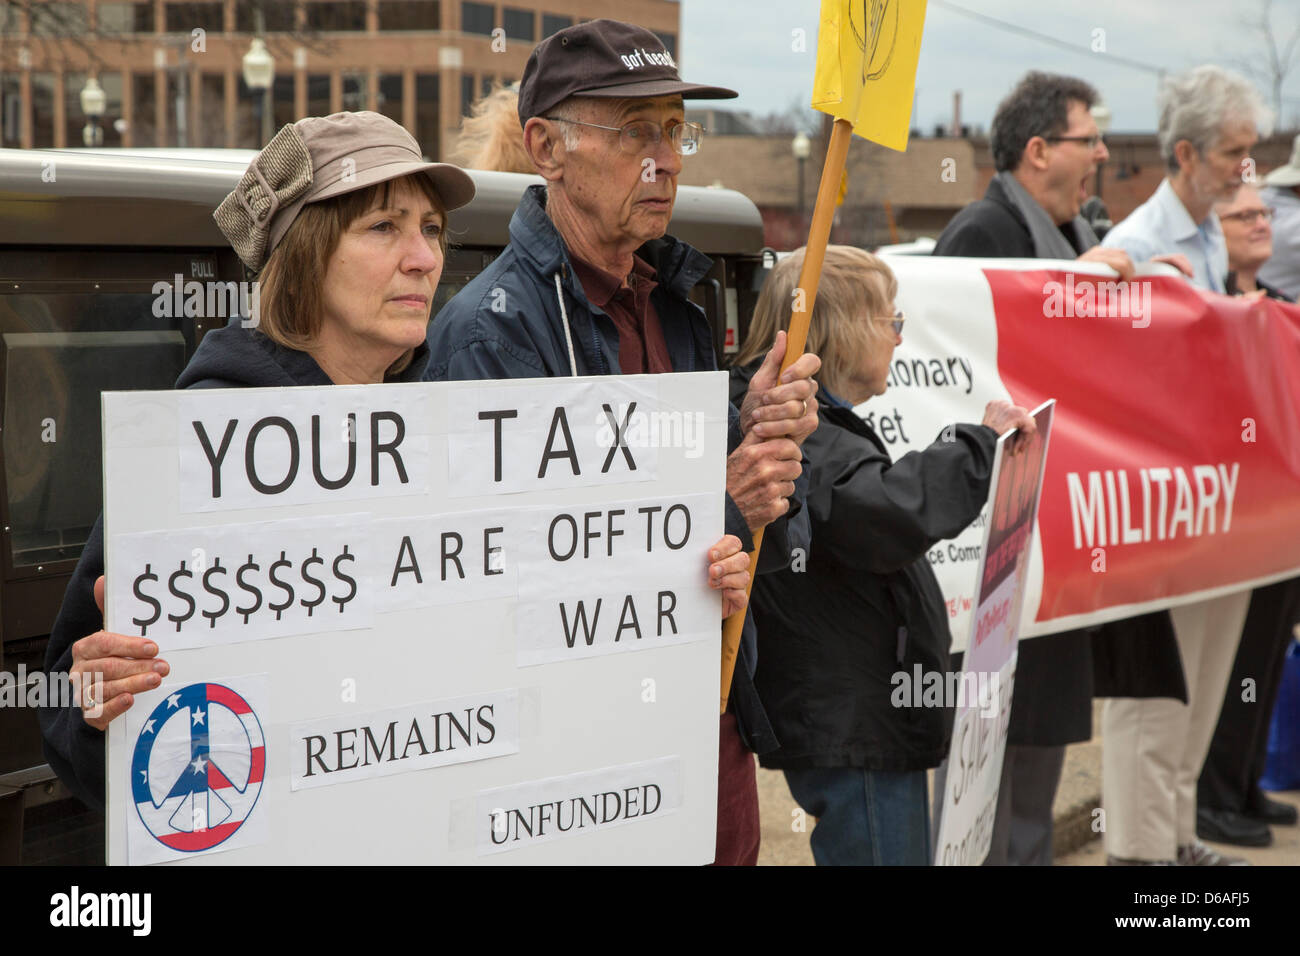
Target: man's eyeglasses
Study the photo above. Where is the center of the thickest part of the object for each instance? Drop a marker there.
(896, 320)
(1248, 216)
(643, 136)
(1090, 141)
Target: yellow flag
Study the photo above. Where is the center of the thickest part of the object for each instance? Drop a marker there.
(866, 65)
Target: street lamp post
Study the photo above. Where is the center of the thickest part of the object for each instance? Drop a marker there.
(801, 146)
(259, 74)
(1101, 116)
(92, 104)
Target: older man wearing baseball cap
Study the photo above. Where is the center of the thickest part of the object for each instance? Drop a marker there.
(591, 285)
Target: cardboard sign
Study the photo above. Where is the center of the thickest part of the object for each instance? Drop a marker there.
(441, 623)
(983, 698)
(866, 66)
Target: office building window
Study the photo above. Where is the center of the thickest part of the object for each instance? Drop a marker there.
(477, 18)
(519, 24)
(42, 109)
(172, 92)
(73, 118)
(669, 41)
(466, 93)
(318, 94)
(143, 131)
(282, 100)
(347, 16)
(390, 96)
(58, 19)
(552, 23)
(111, 83)
(11, 110)
(409, 15)
(354, 92)
(276, 17)
(209, 123)
(248, 114)
(186, 17)
(427, 128)
(125, 17)
(485, 84)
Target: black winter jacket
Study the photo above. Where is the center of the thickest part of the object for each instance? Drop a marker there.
(990, 228)
(230, 357)
(867, 605)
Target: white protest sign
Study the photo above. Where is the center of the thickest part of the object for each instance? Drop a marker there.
(983, 704)
(392, 610)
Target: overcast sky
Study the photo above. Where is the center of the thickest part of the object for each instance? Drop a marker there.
(747, 46)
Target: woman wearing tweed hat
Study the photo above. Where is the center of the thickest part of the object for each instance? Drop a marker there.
(345, 225)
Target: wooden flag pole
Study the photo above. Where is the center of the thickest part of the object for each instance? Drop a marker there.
(819, 233)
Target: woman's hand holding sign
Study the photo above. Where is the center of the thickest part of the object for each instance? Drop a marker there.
(109, 669)
(729, 573)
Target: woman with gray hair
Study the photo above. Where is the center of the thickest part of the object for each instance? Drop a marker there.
(833, 635)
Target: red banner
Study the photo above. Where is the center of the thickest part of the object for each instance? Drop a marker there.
(1175, 459)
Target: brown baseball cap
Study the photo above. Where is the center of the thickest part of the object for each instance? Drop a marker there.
(605, 58)
(317, 158)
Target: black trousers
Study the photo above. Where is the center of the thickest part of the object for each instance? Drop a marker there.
(1230, 778)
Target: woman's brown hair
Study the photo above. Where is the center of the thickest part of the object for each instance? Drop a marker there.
(289, 286)
(854, 286)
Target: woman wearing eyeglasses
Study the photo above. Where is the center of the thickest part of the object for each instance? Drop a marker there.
(834, 633)
(1248, 232)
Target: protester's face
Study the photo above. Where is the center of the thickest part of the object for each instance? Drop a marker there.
(1247, 231)
(1216, 174)
(1072, 164)
(873, 374)
(379, 283)
(627, 197)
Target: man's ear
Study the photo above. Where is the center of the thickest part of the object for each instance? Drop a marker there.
(1184, 152)
(544, 147)
(1035, 153)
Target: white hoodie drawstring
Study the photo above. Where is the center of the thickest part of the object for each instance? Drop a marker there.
(564, 317)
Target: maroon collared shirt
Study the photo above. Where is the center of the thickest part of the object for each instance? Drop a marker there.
(641, 345)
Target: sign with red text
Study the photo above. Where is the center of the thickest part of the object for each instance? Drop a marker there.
(423, 623)
(983, 704)
(1174, 474)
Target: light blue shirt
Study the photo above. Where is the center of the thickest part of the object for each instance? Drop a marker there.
(1282, 271)
(1162, 225)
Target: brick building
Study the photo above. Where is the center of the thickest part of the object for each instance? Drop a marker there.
(921, 189)
(897, 197)
(172, 72)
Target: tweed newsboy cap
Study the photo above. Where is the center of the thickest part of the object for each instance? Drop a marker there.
(318, 158)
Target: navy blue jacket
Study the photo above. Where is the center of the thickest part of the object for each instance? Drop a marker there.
(230, 357)
(508, 323)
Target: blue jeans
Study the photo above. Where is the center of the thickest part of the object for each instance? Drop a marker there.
(865, 817)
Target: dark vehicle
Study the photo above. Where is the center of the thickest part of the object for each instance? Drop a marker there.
(93, 246)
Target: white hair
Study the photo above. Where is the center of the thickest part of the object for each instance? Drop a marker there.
(1195, 106)
(573, 108)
